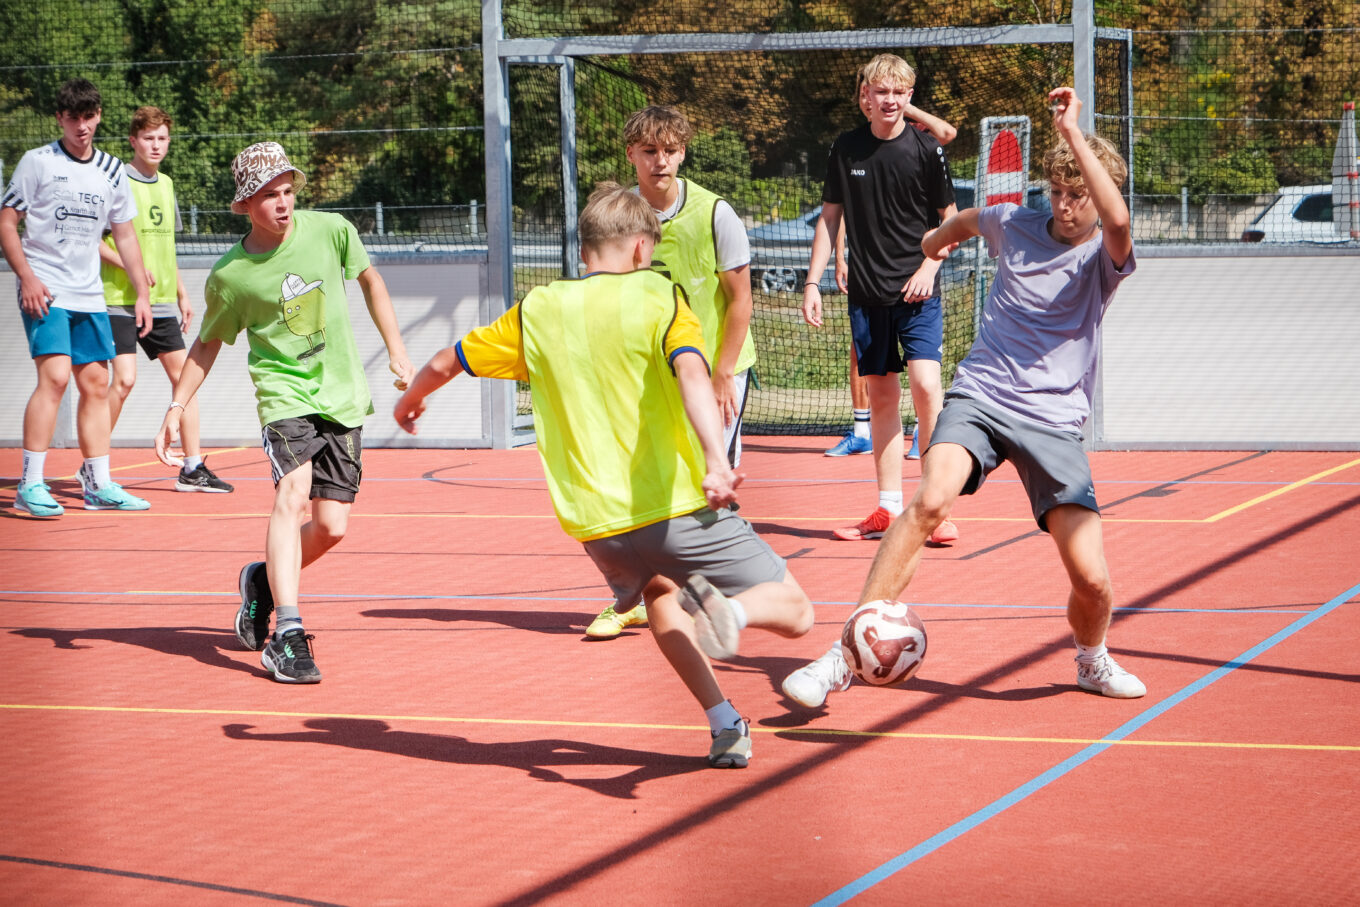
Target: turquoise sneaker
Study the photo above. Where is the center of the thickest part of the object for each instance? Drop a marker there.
(113, 497)
(35, 498)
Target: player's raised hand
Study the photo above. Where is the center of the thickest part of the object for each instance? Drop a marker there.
(1066, 107)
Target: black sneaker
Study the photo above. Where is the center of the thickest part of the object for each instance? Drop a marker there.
(200, 478)
(290, 658)
(257, 604)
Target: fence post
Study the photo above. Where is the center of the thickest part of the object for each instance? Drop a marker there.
(1185, 212)
(193, 219)
(378, 211)
(571, 242)
(498, 397)
(474, 218)
(1084, 60)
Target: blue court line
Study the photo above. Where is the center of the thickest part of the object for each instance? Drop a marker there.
(381, 596)
(962, 827)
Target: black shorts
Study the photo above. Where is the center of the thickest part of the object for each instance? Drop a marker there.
(335, 452)
(1052, 463)
(164, 337)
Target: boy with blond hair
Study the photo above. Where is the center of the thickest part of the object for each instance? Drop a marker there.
(891, 183)
(1023, 392)
(157, 222)
(704, 249)
(619, 354)
(283, 285)
(67, 192)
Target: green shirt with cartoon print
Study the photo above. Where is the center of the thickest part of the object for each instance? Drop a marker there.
(291, 304)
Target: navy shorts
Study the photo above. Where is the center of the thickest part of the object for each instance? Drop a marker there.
(888, 336)
(164, 336)
(1052, 463)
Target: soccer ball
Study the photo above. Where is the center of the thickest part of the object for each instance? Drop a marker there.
(884, 642)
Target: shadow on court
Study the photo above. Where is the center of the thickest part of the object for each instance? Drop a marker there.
(544, 760)
(205, 645)
(555, 622)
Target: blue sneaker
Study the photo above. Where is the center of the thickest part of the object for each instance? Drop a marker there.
(112, 497)
(915, 452)
(851, 444)
(36, 499)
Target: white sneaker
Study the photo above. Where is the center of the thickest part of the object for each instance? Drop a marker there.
(714, 623)
(811, 684)
(1107, 678)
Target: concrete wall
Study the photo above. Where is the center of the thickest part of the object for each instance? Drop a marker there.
(438, 298)
(1233, 352)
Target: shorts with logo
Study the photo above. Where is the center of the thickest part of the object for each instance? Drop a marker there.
(334, 450)
(164, 336)
(719, 544)
(888, 336)
(84, 336)
(1052, 463)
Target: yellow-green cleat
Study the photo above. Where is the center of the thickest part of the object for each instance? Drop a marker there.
(611, 623)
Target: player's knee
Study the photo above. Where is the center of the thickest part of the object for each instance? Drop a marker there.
(1093, 588)
(929, 506)
(121, 386)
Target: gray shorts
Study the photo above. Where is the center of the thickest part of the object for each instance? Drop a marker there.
(719, 544)
(1052, 463)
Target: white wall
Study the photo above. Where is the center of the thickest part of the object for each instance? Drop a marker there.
(436, 304)
(1234, 352)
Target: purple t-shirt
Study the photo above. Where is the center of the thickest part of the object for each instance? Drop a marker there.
(1036, 348)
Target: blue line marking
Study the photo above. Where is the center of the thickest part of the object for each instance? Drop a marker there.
(962, 827)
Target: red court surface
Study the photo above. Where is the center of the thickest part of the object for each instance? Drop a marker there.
(468, 746)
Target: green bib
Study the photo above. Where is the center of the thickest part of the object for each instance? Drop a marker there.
(155, 226)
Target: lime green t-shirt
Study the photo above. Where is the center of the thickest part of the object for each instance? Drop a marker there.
(291, 304)
(155, 223)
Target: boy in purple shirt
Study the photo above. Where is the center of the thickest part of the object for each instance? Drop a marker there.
(1023, 392)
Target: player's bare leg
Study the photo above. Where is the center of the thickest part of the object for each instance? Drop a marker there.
(927, 396)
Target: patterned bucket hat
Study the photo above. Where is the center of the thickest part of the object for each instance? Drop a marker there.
(256, 166)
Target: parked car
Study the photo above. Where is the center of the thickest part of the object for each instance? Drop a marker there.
(779, 250)
(1296, 214)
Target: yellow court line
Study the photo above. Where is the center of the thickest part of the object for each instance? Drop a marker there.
(1279, 491)
(822, 732)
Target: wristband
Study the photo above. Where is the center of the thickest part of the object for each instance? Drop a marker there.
(173, 404)
(812, 283)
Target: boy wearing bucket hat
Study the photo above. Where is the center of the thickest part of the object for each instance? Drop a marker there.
(283, 285)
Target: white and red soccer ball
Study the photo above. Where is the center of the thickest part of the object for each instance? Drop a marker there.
(884, 642)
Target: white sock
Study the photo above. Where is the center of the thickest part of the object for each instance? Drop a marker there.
(891, 501)
(191, 463)
(722, 716)
(1090, 654)
(738, 611)
(34, 461)
(96, 472)
(862, 423)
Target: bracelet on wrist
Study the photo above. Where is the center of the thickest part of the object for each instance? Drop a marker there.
(173, 404)
(812, 283)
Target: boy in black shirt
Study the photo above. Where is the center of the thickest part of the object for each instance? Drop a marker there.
(891, 184)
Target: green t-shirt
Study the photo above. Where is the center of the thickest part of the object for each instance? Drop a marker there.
(291, 304)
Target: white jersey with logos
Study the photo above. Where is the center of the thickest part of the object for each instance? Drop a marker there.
(67, 205)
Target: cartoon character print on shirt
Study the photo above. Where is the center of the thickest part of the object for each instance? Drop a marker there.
(304, 312)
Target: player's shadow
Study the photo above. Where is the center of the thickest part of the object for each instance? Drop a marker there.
(551, 622)
(206, 645)
(769, 529)
(545, 760)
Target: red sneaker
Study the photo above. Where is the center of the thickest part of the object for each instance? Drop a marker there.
(873, 527)
(945, 532)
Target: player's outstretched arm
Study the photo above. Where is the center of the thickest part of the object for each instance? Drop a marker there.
(442, 368)
(385, 319)
(938, 243)
(827, 227)
(197, 364)
(1117, 233)
(720, 482)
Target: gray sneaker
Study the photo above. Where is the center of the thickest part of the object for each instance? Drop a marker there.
(289, 658)
(731, 747)
(1106, 677)
(811, 684)
(714, 621)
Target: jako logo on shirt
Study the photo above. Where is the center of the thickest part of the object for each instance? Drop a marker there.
(857, 173)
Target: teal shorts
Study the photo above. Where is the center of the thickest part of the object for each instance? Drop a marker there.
(83, 336)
